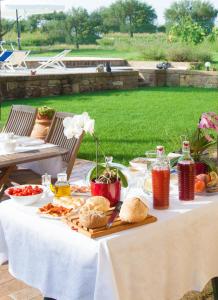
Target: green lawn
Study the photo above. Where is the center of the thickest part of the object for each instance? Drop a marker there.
(90, 52)
(131, 122)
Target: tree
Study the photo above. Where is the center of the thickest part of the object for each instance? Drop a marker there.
(56, 31)
(200, 11)
(187, 31)
(131, 16)
(79, 27)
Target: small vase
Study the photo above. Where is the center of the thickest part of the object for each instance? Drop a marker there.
(200, 168)
(111, 191)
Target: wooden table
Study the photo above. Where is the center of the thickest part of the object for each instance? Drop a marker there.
(9, 162)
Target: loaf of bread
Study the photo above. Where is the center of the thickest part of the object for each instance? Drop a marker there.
(98, 203)
(92, 218)
(133, 210)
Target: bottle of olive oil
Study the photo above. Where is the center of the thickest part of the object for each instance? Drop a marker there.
(62, 186)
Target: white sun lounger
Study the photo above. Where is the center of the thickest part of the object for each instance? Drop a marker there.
(55, 62)
(16, 61)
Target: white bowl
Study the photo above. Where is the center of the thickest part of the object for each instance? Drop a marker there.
(25, 200)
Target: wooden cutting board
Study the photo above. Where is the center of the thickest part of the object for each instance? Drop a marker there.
(117, 226)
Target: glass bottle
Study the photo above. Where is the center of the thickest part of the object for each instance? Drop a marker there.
(186, 174)
(62, 186)
(160, 180)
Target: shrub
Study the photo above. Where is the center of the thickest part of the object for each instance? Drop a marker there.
(154, 51)
(183, 52)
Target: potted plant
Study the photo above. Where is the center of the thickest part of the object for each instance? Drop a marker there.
(43, 122)
(201, 142)
(105, 179)
(199, 146)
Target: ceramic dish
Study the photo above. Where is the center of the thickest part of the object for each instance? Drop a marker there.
(25, 200)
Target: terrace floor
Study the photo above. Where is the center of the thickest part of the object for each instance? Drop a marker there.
(12, 289)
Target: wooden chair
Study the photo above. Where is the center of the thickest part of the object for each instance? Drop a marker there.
(21, 120)
(56, 136)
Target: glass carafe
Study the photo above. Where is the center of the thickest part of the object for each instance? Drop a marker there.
(62, 186)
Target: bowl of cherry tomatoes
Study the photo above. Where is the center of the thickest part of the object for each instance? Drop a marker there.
(25, 194)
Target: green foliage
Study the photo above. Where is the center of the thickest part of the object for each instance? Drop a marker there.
(132, 16)
(101, 169)
(184, 52)
(78, 27)
(188, 31)
(45, 111)
(213, 37)
(199, 11)
(198, 142)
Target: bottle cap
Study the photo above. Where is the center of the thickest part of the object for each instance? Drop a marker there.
(186, 144)
(160, 148)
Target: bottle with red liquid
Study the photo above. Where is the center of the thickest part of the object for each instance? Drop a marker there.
(160, 180)
(186, 174)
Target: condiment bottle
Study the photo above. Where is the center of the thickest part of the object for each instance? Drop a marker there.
(186, 174)
(160, 180)
(62, 186)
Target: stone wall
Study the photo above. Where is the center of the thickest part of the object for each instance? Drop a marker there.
(180, 78)
(13, 87)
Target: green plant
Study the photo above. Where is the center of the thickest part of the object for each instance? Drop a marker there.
(187, 31)
(196, 66)
(108, 174)
(199, 143)
(46, 112)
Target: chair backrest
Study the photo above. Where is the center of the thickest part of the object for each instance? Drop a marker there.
(5, 55)
(17, 57)
(56, 136)
(60, 55)
(21, 120)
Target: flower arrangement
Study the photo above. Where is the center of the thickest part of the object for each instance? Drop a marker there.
(74, 127)
(209, 122)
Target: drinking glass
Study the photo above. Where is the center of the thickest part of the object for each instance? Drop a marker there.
(46, 182)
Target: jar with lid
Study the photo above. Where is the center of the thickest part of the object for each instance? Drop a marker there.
(62, 186)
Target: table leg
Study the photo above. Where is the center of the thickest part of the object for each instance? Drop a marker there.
(215, 287)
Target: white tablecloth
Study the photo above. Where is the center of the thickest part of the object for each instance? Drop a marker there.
(159, 261)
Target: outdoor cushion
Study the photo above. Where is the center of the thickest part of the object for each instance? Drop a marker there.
(5, 55)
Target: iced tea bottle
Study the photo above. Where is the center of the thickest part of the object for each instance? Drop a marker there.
(186, 174)
(160, 180)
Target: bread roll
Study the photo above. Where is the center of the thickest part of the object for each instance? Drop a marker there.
(92, 218)
(133, 210)
(98, 203)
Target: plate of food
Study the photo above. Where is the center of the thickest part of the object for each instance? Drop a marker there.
(80, 190)
(69, 202)
(52, 211)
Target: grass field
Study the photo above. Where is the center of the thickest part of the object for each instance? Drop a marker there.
(89, 52)
(131, 122)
